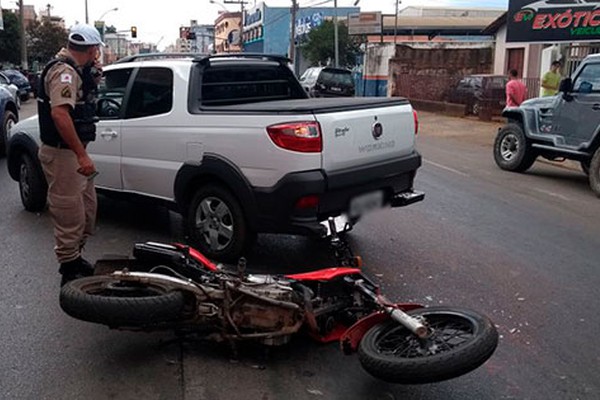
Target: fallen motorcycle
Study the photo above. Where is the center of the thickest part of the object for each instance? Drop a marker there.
(174, 287)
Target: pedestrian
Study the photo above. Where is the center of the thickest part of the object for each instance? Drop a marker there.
(515, 90)
(551, 80)
(66, 109)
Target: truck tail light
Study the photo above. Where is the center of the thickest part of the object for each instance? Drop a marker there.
(416, 117)
(311, 201)
(304, 137)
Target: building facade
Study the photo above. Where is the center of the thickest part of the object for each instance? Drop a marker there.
(227, 32)
(267, 29)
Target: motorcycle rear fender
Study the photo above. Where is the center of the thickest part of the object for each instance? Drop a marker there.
(351, 338)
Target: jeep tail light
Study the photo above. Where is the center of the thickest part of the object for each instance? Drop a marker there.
(304, 137)
(305, 202)
(416, 117)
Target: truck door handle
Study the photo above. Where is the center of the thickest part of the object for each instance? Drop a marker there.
(109, 134)
(596, 107)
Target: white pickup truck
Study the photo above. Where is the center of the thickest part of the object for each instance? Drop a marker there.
(234, 144)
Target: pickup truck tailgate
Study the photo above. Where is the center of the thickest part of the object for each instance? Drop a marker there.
(366, 135)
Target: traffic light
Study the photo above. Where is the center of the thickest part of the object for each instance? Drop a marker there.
(133, 32)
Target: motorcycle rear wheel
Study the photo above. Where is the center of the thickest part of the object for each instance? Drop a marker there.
(461, 341)
(109, 301)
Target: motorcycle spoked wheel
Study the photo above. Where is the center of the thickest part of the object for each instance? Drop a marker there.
(461, 341)
(109, 301)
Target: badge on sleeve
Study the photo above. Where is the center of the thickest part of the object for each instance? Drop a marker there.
(66, 92)
(66, 78)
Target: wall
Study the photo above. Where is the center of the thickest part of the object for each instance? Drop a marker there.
(428, 73)
(376, 69)
(532, 60)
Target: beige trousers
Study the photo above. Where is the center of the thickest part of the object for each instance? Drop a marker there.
(72, 201)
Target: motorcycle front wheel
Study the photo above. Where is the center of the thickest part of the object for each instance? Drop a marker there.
(106, 300)
(460, 341)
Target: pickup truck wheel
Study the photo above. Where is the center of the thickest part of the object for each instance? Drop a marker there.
(9, 120)
(512, 152)
(216, 224)
(595, 173)
(32, 185)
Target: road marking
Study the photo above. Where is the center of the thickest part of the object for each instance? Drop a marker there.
(549, 193)
(446, 168)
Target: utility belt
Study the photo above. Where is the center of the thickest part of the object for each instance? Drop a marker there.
(61, 145)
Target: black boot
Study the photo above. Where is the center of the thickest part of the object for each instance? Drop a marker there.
(75, 269)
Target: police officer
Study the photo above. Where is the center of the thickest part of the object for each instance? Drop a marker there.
(66, 108)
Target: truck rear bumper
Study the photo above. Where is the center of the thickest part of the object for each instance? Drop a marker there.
(300, 201)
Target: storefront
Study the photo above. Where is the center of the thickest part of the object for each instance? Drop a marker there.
(267, 29)
(533, 33)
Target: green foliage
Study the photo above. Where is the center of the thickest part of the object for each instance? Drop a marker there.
(10, 43)
(110, 29)
(319, 47)
(44, 40)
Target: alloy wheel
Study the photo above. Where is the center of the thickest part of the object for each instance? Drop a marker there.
(509, 147)
(24, 181)
(214, 221)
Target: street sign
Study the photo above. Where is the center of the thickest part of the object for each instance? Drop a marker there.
(365, 23)
(553, 21)
(99, 25)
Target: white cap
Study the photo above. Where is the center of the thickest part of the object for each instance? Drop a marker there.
(85, 35)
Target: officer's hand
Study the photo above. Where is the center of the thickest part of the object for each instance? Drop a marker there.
(86, 166)
(97, 68)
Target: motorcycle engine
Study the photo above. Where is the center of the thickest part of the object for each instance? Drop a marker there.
(253, 315)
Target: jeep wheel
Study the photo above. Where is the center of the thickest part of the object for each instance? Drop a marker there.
(9, 120)
(585, 167)
(216, 224)
(32, 185)
(595, 173)
(512, 152)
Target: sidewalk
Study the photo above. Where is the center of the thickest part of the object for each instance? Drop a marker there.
(473, 130)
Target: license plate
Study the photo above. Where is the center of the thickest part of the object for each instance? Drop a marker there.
(364, 203)
(336, 89)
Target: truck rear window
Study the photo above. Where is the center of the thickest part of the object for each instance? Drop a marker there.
(230, 85)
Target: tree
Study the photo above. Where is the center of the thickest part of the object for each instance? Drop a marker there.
(10, 43)
(319, 47)
(44, 40)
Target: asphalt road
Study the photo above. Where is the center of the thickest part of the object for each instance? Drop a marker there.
(522, 248)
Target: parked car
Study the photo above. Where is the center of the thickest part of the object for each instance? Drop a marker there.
(9, 115)
(328, 82)
(477, 91)
(235, 145)
(565, 126)
(18, 79)
(12, 88)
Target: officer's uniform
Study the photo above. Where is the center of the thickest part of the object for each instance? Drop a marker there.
(71, 196)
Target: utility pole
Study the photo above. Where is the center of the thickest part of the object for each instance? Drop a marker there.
(292, 50)
(336, 35)
(87, 20)
(22, 33)
(396, 22)
(241, 3)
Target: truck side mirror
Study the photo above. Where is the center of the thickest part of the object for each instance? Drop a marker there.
(566, 86)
